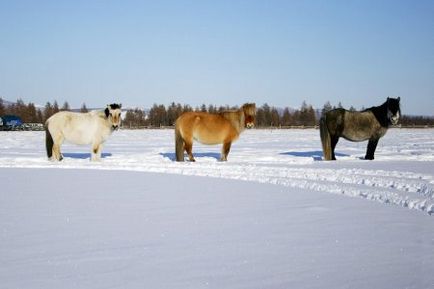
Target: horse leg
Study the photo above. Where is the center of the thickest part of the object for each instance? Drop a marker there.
(225, 151)
(96, 152)
(334, 141)
(372, 145)
(179, 145)
(188, 146)
(325, 139)
(57, 155)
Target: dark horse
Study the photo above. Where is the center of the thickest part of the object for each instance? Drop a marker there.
(370, 124)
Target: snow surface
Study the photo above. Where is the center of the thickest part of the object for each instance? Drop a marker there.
(273, 216)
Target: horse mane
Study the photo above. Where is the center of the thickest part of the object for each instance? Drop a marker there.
(235, 116)
(239, 116)
(380, 113)
(115, 106)
(111, 106)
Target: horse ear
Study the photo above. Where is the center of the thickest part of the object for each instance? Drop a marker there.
(398, 99)
(107, 111)
(120, 105)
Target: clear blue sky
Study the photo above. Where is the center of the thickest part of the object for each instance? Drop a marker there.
(218, 52)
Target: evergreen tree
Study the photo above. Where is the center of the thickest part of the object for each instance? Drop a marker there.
(223, 108)
(286, 117)
(20, 109)
(129, 120)
(83, 108)
(186, 108)
(39, 116)
(260, 117)
(274, 117)
(55, 107)
(212, 109)
(267, 114)
(307, 115)
(31, 113)
(48, 111)
(304, 113)
(65, 106)
(2, 107)
(172, 113)
(203, 108)
(327, 107)
(158, 115)
(311, 121)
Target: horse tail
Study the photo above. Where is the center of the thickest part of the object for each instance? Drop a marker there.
(48, 142)
(179, 144)
(325, 138)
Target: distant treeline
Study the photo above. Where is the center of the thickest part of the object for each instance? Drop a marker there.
(30, 114)
(266, 116)
(164, 116)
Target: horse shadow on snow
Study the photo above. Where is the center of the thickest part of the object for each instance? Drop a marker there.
(83, 156)
(315, 155)
(172, 156)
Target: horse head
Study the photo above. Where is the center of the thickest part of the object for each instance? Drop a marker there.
(113, 114)
(393, 110)
(249, 110)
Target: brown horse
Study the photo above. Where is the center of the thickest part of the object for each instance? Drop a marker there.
(210, 129)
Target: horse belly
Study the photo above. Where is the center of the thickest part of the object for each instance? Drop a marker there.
(207, 137)
(78, 137)
(213, 136)
(357, 136)
(80, 134)
(359, 126)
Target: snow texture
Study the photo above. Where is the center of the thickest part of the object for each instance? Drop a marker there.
(401, 174)
(273, 216)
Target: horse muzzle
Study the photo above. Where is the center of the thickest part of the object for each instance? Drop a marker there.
(394, 120)
(250, 125)
(115, 127)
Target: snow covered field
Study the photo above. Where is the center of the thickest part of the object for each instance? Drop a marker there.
(273, 216)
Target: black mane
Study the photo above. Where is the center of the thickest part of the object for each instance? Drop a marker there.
(381, 112)
(112, 106)
(115, 106)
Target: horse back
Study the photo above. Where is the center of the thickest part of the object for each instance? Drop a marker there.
(354, 125)
(206, 128)
(79, 128)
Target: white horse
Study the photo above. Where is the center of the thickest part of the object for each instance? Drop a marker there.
(81, 128)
